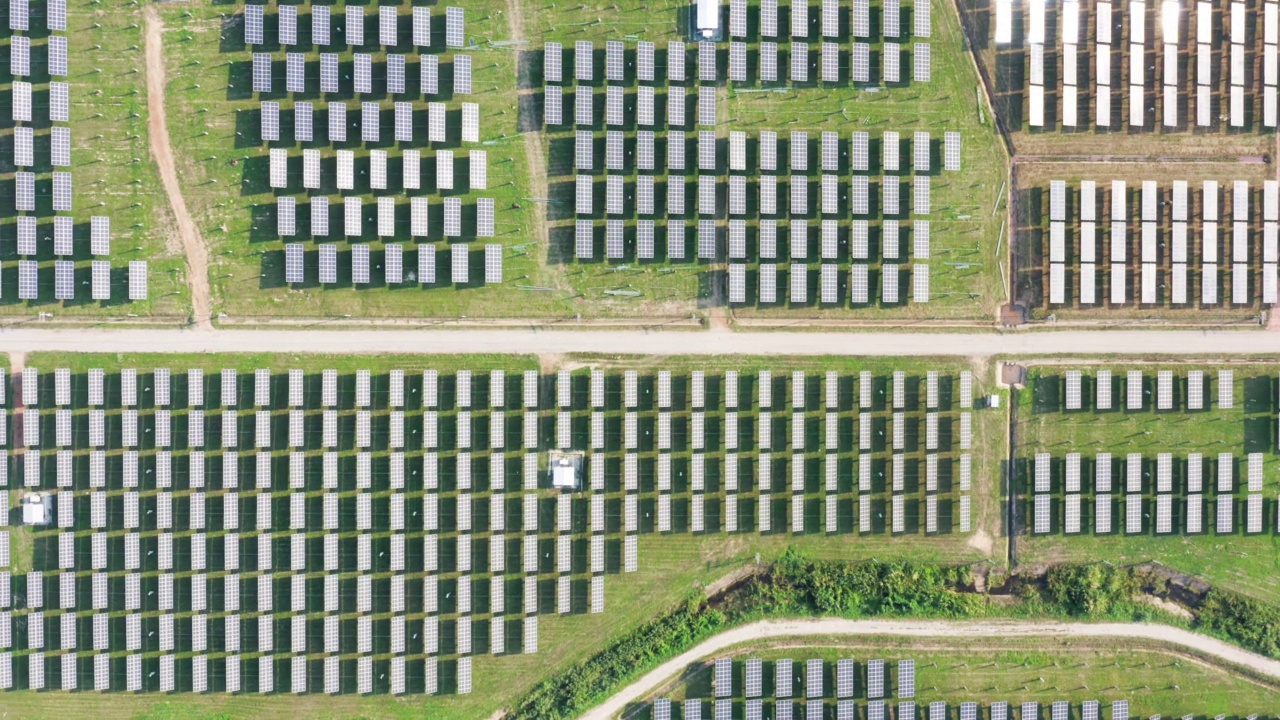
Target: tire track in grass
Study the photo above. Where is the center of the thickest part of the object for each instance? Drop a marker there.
(192, 244)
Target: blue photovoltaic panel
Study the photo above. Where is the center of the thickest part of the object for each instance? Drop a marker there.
(328, 72)
(57, 15)
(261, 73)
(320, 24)
(20, 55)
(58, 55)
(293, 258)
(395, 74)
(295, 77)
(355, 25)
(453, 30)
(429, 74)
(388, 26)
(252, 24)
(288, 15)
(421, 26)
(553, 62)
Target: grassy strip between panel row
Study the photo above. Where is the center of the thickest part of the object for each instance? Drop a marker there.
(795, 586)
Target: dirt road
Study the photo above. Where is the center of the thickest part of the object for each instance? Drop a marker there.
(539, 341)
(158, 127)
(933, 629)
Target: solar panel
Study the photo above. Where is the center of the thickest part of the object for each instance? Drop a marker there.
(923, 26)
(462, 74)
(62, 191)
(470, 122)
(799, 62)
(453, 19)
(921, 62)
(252, 23)
(20, 55)
(875, 679)
(951, 151)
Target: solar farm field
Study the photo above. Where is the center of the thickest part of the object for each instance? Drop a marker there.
(110, 173)
(1013, 671)
(1075, 78)
(224, 165)
(249, 218)
(1157, 242)
(1192, 486)
(230, 498)
(741, 161)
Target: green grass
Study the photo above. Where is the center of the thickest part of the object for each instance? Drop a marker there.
(112, 171)
(1237, 561)
(1015, 670)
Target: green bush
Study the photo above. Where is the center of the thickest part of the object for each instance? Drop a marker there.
(573, 691)
(1090, 590)
(1241, 620)
(864, 588)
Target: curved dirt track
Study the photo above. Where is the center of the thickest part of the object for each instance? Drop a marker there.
(932, 629)
(158, 130)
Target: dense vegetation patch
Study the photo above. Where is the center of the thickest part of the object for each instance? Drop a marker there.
(795, 586)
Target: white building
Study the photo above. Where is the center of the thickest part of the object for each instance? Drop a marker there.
(708, 19)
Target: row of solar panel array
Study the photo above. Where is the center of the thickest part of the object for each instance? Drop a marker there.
(31, 379)
(847, 709)
(298, 266)
(892, 240)
(24, 191)
(1170, 21)
(831, 16)
(831, 291)
(1156, 286)
(370, 121)
(67, 277)
(832, 152)
(362, 77)
(466, 385)
(902, 437)
(321, 18)
(299, 550)
(789, 682)
(1151, 286)
(1234, 24)
(640, 241)
(20, 56)
(59, 107)
(1088, 204)
(354, 553)
(709, 198)
(1195, 391)
(343, 168)
(24, 146)
(55, 15)
(402, 634)
(63, 235)
(900, 433)
(234, 673)
(616, 65)
(388, 225)
(831, 63)
(834, 510)
(1138, 472)
(1138, 510)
